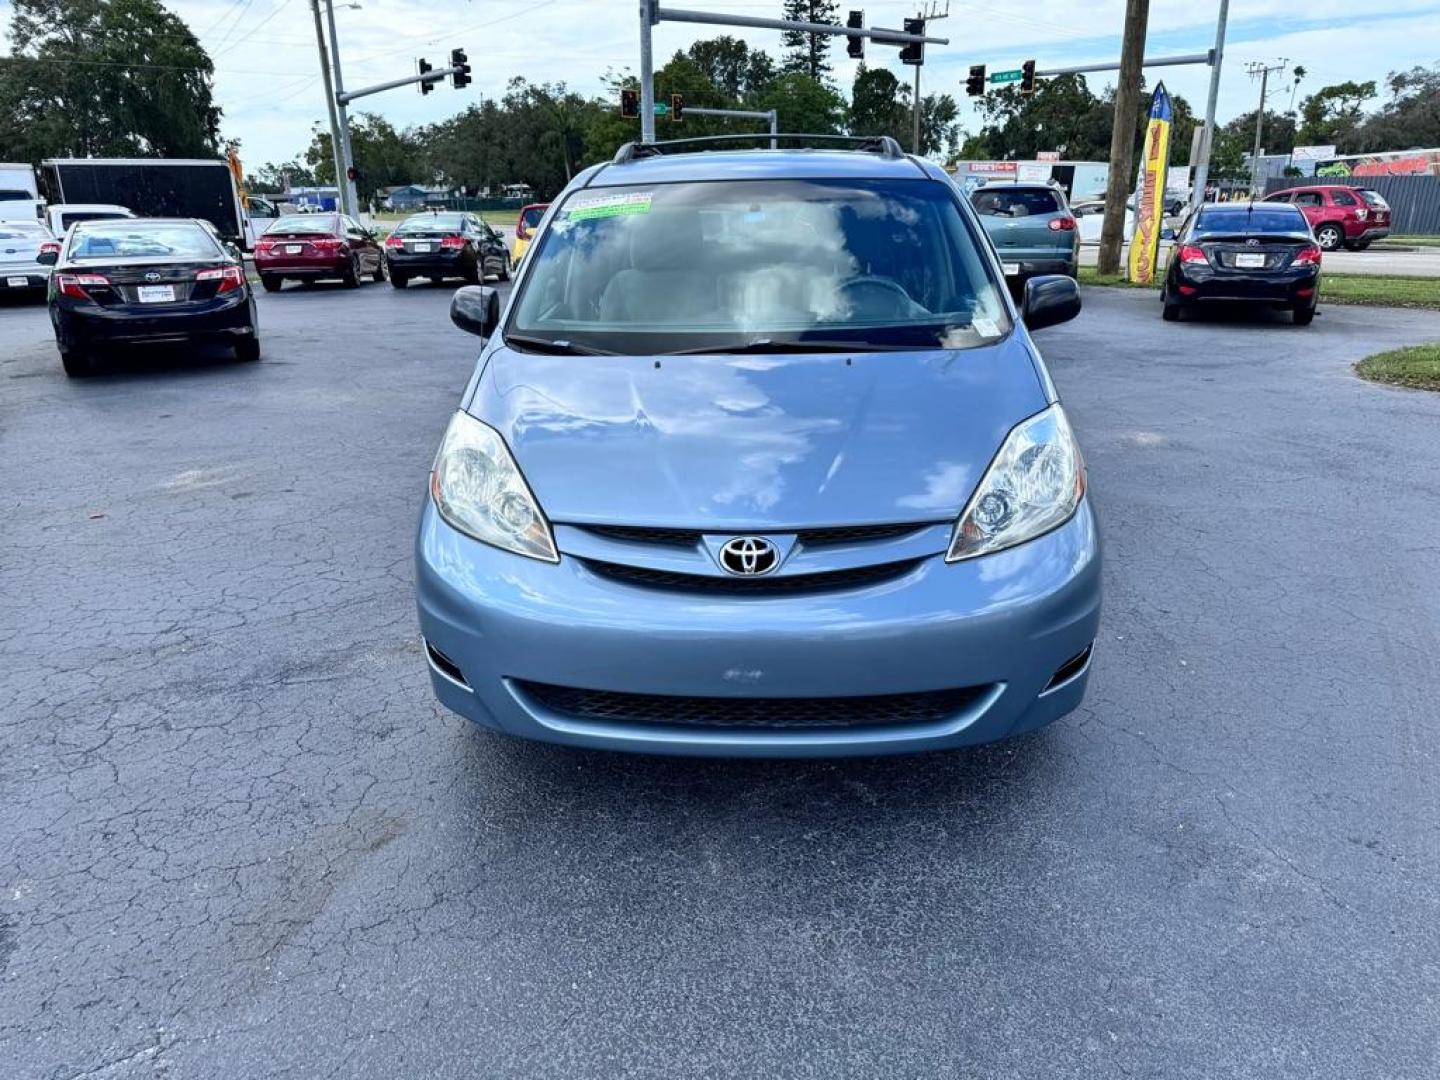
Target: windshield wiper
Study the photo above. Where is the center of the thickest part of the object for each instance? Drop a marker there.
(559, 346)
(822, 345)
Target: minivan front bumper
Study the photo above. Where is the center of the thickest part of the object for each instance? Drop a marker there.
(1008, 635)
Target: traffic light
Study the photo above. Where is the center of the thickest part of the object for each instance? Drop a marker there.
(1027, 78)
(677, 107)
(425, 69)
(856, 45)
(975, 84)
(913, 53)
(630, 104)
(460, 79)
(352, 174)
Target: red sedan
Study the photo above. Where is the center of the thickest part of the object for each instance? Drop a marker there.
(308, 247)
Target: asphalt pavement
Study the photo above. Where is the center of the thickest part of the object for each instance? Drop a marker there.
(241, 840)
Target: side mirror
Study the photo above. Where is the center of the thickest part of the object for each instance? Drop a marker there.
(476, 310)
(1049, 299)
(49, 255)
(1167, 234)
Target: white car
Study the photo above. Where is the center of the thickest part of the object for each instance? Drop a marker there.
(60, 216)
(1090, 218)
(20, 243)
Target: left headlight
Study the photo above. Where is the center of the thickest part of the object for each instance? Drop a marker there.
(1034, 484)
(477, 487)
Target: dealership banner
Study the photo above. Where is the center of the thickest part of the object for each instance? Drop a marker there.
(1150, 211)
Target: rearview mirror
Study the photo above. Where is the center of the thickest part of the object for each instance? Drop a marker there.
(49, 255)
(1049, 299)
(1167, 234)
(476, 310)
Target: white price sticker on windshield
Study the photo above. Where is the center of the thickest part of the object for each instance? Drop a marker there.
(602, 206)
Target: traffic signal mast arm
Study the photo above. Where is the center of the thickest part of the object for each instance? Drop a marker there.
(434, 76)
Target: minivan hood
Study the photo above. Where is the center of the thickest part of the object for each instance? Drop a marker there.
(777, 442)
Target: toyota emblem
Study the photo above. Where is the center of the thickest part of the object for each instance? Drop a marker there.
(152, 276)
(749, 555)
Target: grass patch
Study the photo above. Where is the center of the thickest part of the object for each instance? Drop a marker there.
(1373, 289)
(1383, 291)
(1417, 367)
(1409, 241)
(1089, 275)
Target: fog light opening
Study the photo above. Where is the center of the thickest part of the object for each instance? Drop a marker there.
(445, 666)
(1070, 669)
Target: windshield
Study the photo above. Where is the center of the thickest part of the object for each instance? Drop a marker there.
(686, 267)
(141, 241)
(1016, 202)
(1372, 199)
(433, 223)
(304, 225)
(1269, 219)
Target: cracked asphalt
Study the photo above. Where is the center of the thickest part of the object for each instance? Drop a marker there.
(240, 839)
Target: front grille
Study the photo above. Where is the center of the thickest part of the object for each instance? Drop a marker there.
(782, 585)
(641, 534)
(885, 710)
(812, 538)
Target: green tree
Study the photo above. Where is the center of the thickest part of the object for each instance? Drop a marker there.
(274, 179)
(1333, 114)
(878, 105)
(733, 68)
(384, 157)
(104, 78)
(1411, 118)
(808, 54)
(804, 104)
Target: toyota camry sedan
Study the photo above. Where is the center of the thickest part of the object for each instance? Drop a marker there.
(760, 459)
(147, 281)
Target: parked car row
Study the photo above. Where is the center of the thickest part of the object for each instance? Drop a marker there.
(436, 246)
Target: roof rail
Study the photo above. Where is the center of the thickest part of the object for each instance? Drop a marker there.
(883, 145)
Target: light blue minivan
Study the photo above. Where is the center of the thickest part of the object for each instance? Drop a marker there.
(759, 459)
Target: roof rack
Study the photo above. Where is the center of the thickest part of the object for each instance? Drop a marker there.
(883, 145)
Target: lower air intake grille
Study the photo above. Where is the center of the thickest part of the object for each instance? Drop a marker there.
(780, 585)
(888, 710)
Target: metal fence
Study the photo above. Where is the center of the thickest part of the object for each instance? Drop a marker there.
(1414, 200)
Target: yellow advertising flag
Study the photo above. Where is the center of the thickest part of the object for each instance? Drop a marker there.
(1150, 213)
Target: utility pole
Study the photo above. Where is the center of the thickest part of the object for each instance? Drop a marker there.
(1263, 70)
(925, 17)
(647, 72)
(1122, 138)
(336, 151)
(1201, 175)
(350, 204)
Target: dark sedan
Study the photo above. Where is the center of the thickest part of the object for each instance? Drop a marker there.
(1258, 253)
(144, 280)
(439, 245)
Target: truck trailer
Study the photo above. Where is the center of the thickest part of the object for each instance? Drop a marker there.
(153, 187)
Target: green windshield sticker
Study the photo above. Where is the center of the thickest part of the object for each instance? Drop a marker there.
(604, 206)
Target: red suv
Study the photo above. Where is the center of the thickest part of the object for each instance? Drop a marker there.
(1339, 214)
(307, 247)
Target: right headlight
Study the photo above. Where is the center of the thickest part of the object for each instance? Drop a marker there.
(478, 489)
(1034, 484)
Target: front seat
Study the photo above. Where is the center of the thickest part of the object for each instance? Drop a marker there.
(662, 284)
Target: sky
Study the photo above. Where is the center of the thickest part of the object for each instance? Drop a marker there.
(267, 77)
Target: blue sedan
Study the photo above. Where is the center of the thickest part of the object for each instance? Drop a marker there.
(760, 460)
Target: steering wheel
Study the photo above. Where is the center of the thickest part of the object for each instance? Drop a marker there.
(875, 292)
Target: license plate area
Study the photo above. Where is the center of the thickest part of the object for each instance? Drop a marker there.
(17, 282)
(1249, 260)
(1010, 269)
(156, 294)
(294, 249)
(420, 245)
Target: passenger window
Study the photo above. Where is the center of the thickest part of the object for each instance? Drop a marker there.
(1307, 198)
(1342, 198)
